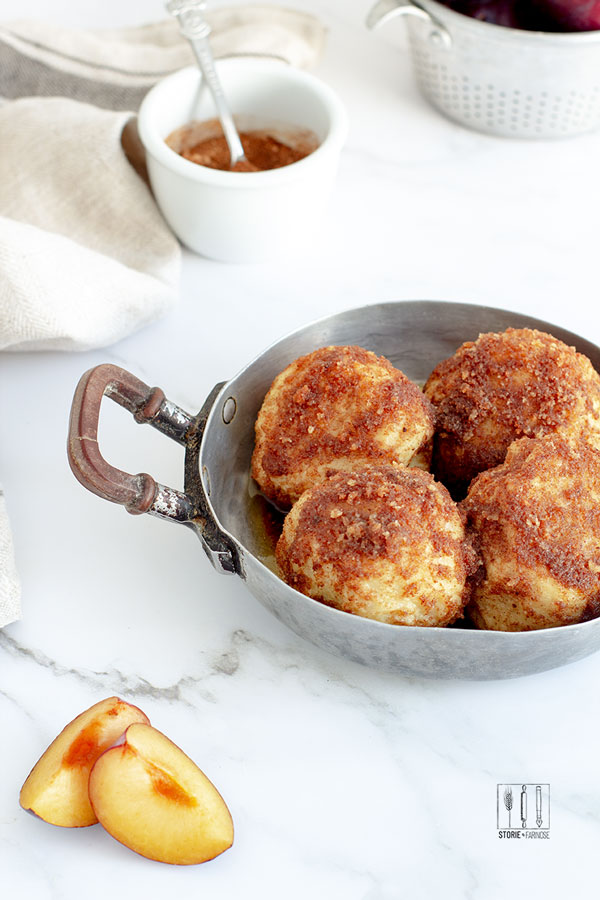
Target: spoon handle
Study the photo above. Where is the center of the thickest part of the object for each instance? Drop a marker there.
(196, 29)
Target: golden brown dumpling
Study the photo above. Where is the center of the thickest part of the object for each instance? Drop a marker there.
(384, 542)
(332, 410)
(518, 383)
(536, 520)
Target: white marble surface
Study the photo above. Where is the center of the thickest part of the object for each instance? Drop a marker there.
(343, 782)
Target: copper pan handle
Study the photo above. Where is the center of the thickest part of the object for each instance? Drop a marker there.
(137, 493)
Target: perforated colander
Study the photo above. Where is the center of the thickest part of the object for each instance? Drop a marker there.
(499, 80)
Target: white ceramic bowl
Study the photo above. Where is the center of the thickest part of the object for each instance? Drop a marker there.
(244, 216)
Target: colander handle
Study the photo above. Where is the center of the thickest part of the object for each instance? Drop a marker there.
(384, 10)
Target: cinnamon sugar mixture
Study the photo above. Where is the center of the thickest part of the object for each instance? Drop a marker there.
(204, 144)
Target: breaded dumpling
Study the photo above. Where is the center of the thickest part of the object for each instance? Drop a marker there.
(384, 542)
(334, 409)
(518, 383)
(536, 519)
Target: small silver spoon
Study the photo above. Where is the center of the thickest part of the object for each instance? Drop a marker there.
(196, 29)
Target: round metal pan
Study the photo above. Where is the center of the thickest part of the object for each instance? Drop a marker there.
(217, 498)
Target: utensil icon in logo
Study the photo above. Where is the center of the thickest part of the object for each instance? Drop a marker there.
(538, 805)
(524, 806)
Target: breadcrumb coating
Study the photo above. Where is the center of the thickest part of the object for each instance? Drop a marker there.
(385, 542)
(332, 410)
(504, 386)
(536, 521)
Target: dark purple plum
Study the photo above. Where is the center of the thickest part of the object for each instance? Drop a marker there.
(533, 15)
(568, 15)
(498, 12)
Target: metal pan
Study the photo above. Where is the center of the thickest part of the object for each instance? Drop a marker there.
(216, 501)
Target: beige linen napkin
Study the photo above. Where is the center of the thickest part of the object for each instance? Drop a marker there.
(10, 589)
(85, 256)
(115, 68)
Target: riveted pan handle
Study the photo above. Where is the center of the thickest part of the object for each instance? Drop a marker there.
(141, 493)
(384, 10)
(137, 493)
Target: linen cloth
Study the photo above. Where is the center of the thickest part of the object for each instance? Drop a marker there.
(10, 587)
(85, 256)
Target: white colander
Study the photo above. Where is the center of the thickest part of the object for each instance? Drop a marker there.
(502, 81)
